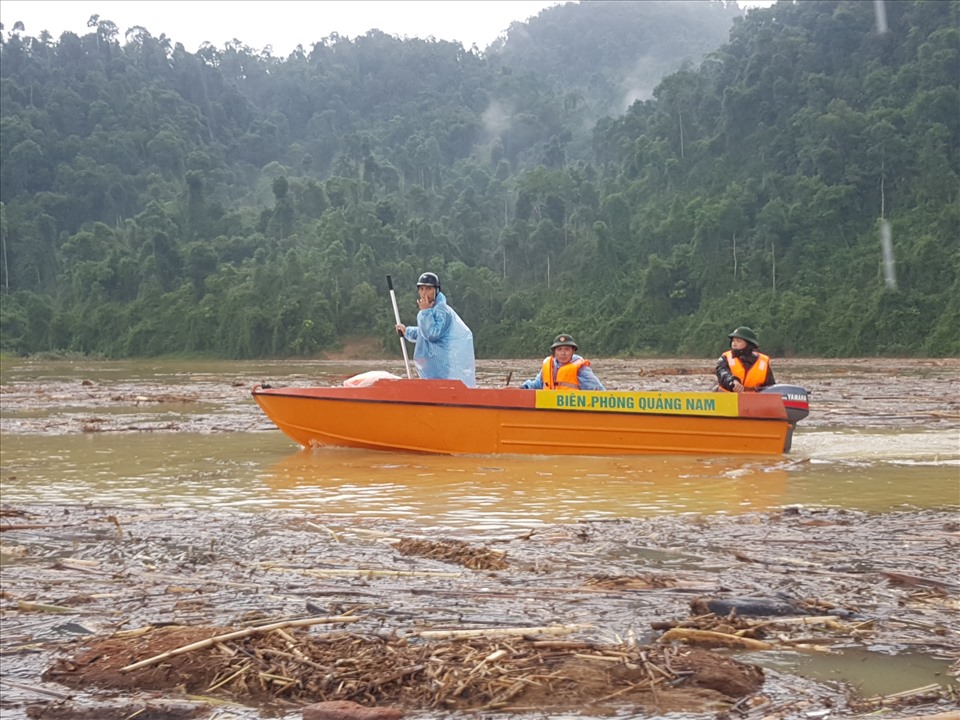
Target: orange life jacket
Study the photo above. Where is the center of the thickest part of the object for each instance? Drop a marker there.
(566, 374)
(754, 378)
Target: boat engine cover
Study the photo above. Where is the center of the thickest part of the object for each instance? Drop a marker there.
(796, 400)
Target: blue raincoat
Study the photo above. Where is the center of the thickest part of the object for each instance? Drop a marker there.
(444, 348)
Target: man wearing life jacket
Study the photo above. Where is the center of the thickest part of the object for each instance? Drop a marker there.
(564, 370)
(742, 367)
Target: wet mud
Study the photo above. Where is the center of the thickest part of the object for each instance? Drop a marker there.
(110, 613)
(271, 612)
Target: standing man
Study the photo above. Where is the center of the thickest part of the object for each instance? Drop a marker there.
(444, 343)
(563, 369)
(743, 367)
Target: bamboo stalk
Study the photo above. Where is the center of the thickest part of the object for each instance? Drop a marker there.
(4, 528)
(34, 689)
(317, 526)
(394, 676)
(281, 678)
(243, 668)
(208, 700)
(563, 645)
(881, 699)
(664, 673)
(493, 657)
(347, 572)
(653, 681)
(709, 637)
(298, 656)
(601, 658)
(518, 687)
(199, 645)
(621, 691)
(829, 620)
(904, 579)
(81, 565)
(490, 632)
(25, 606)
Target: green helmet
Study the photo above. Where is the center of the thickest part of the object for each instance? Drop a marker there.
(745, 333)
(561, 340)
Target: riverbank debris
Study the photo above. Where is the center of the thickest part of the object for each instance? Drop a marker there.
(506, 673)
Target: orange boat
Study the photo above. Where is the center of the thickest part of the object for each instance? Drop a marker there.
(446, 417)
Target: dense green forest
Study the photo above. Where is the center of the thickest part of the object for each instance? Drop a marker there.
(645, 176)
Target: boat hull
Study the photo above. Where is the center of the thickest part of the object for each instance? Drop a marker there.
(445, 417)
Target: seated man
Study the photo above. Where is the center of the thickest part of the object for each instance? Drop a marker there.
(563, 369)
(742, 367)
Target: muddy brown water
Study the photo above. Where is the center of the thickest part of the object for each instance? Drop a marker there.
(882, 434)
(883, 438)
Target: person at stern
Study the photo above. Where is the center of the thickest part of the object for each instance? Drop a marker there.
(444, 343)
(743, 367)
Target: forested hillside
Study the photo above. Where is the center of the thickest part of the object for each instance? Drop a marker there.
(235, 204)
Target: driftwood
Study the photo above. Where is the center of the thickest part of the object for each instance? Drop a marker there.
(239, 634)
(829, 620)
(147, 709)
(895, 701)
(904, 579)
(555, 567)
(563, 644)
(458, 674)
(25, 606)
(746, 607)
(709, 638)
(490, 632)
(359, 572)
(34, 689)
(885, 699)
(317, 526)
(4, 528)
(454, 551)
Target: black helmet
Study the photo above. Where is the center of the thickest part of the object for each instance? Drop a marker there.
(430, 280)
(561, 340)
(745, 333)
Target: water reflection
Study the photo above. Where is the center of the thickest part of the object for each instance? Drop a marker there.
(264, 470)
(491, 492)
(870, 673)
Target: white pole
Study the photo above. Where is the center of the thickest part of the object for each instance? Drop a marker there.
(396, 314)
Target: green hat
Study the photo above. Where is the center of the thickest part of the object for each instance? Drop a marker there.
(745, 333)
(561, 340)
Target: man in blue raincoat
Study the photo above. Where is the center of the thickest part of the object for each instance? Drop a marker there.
(444, 343)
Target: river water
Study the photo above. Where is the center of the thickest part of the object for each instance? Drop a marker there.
(882, 434)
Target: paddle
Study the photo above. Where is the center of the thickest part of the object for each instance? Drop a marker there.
(396, 314)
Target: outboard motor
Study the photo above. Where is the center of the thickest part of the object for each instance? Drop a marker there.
(796, 401)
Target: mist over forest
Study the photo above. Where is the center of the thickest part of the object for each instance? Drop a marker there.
(643, 175)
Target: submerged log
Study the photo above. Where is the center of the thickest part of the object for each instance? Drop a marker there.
(746, 607)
